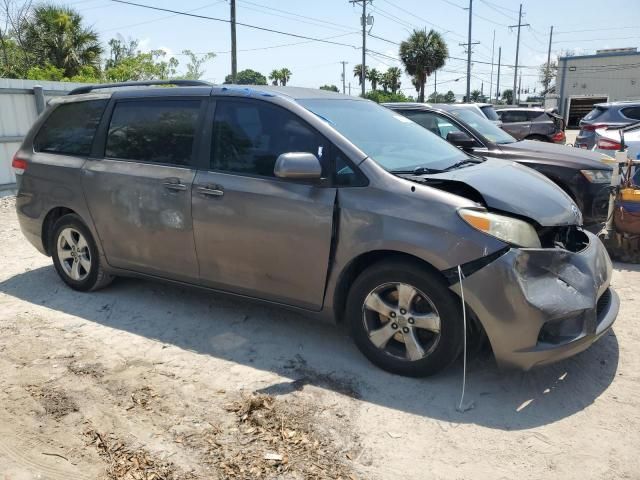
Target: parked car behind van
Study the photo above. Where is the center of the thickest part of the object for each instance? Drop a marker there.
(606, 115)
(532, 124)
(581, 174)
(323, 203)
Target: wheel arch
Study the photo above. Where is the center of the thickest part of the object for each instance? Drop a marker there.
(363, 261)
(50, 219)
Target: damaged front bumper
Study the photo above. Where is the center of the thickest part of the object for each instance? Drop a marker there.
(539, 306)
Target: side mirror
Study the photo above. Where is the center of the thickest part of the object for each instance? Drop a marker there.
(461, 140)
(298, 165)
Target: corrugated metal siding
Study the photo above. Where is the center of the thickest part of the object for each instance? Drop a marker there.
(17, 114)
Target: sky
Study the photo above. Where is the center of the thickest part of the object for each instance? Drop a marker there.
(581, 26)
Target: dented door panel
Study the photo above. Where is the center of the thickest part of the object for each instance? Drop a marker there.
(142, 214)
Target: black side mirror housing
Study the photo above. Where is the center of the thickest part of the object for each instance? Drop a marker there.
(461, 140)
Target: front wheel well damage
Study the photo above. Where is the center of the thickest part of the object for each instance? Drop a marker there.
(47, 226)
(359, 264)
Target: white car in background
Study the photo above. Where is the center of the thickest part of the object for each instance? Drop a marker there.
(607, 141)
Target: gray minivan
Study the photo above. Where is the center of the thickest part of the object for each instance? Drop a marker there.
(324, 203)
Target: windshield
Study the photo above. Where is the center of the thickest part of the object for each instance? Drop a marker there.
(486, 128)
(393, 141)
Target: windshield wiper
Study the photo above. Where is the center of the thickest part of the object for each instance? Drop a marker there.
(418, 171)
(459, 164)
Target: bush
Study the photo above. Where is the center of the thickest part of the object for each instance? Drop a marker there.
(380, 96)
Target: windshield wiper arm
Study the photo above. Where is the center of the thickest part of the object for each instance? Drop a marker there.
(418, 171)
(463, 162)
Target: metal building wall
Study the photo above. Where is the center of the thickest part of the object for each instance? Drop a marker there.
(17, 114)
(612, 75)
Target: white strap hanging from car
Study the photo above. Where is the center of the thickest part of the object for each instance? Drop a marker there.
(463, 408)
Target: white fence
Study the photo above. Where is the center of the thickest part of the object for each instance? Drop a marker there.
(20, 104)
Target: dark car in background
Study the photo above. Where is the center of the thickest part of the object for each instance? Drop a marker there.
(606, 115)
(580, 174)
(532, 124)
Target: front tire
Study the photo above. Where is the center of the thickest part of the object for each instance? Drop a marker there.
(75, 255)
(404, 319)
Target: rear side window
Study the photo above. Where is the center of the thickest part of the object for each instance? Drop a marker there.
(157, 131)
(489, 112)
(248, 137)
(595, 113)
(70, 128)
(631, 112)
(514, 116)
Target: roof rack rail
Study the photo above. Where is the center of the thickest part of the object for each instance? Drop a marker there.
(179, 83)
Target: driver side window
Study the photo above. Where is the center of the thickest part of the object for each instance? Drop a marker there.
(248, 137)
(433, 122)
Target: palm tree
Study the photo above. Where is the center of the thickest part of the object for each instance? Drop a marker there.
(275, 76)
(357, 72)
(285, 75)
(55, 36)
(476, 95)
(374, 76)
(422, 54)
(391, 79)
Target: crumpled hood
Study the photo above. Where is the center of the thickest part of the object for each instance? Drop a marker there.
(574, 157)
(514, 188)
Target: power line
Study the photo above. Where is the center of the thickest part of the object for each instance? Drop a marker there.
(224, 20)
(297, 15)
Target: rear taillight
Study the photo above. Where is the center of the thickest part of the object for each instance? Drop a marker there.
(559, 137)
(606, 144)
(593, 127)
(19, 165)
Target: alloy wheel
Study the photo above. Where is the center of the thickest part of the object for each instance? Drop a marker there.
(73, 253)
(402, 321)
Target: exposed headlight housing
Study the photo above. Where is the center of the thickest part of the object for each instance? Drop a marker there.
(597, 176)
(508, 229)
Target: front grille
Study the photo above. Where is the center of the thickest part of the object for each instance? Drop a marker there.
(569, 237)
(603, 303)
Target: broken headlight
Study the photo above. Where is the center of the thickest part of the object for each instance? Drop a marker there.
(508, 229)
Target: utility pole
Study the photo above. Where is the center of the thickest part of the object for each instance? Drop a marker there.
(343, 75)
(234, 57)
(515, 73)
(349, 88)
(469, 53)
(548, 75)
(364, 20)
(498, 80)
(493, 46)
(482, 89)
(519, 89)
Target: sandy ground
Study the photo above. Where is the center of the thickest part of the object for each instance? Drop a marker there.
(144, 377)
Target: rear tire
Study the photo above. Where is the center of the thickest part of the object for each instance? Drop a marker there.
(413, 334)
(75, 255)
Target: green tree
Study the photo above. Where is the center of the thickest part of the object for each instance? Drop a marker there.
(285, 76)
(476, 95)
(374, 76)
(548, 74)
(15, 60)
(450, 97)
(380, 96)
(422, 54)
(247, 77)
(119, 50)
(143, 66)
(194, 67)
(507, 96)
(274, 76)
(56, 36)
(357, 72)
(331, 88)
(391, 79)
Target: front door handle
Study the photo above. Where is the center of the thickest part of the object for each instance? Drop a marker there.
(210, 191)
(174, 184)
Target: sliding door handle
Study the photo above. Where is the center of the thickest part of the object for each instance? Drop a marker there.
(211, 191)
